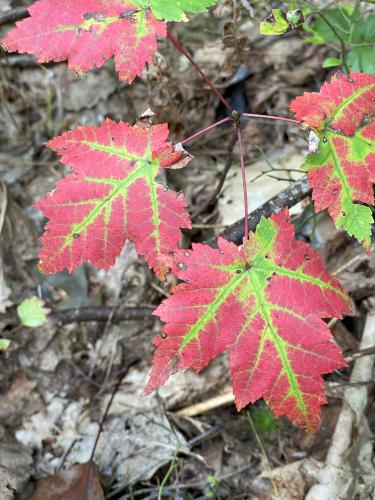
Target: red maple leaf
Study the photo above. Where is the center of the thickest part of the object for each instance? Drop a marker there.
(112, 196)
(87, 33)
(263, 303)
(342, 170)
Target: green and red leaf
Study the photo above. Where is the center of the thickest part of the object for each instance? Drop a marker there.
(342, 170)
(112, 196)
(264, 303)
(87, 33)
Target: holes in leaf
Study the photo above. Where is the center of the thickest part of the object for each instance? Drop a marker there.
(163, 335)
(76, 235)
(335, 191)
(96, 16)
(182, 266)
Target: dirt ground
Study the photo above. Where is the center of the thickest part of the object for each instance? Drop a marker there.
(71, 391)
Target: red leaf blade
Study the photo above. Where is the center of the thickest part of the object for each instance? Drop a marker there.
(263, 303)
(87, 33)
(112, 196)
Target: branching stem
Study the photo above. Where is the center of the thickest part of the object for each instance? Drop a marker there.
(179, 47)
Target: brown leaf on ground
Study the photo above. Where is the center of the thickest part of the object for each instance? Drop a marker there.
(80, 482)
(20, 400)
(16, 465)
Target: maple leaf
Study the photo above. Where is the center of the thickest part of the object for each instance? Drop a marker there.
(112, 196)
(87, 33)
(263, 303)
(342, 170)
(176, 11)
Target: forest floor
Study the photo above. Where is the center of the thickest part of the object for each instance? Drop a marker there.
(74, 385)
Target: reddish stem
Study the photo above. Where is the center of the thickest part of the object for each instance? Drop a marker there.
(203, 131)
(179, 47)
(244, 185)
(270, 117)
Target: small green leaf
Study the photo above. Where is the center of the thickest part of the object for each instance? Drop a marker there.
(295, 17)
(362, 59)
(176, 11)
(331, 62)
(4, 344)
(275, 24)
(338, 18)
(32, 313)
(364, 30)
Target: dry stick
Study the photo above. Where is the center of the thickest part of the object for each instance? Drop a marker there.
(11, 16)
(100, 314)
(206, 405)
(218, 94)
(288, 197)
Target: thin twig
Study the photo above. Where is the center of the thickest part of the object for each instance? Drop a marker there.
(263, 451)
(129, 364)
(185, 486)
(203, 131)
(244, 184)
(223, 176)
(179, 47)
(270, 117)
